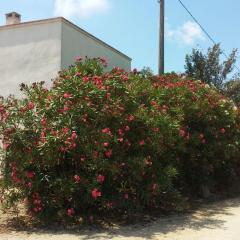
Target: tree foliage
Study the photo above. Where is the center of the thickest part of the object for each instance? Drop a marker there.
(232, 89)
(209, 67)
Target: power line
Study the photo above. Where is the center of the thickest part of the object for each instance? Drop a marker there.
(204, 30)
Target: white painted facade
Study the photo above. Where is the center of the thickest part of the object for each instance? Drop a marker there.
(36, 51)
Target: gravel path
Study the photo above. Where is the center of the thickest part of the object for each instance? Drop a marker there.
(218, 221)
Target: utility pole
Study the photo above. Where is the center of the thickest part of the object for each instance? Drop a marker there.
(161, 38)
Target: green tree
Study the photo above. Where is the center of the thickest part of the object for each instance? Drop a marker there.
(232, 89)
(209, 67)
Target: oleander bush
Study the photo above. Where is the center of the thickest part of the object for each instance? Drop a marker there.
(114, 142)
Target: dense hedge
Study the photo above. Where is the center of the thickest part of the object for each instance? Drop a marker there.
(115, 142)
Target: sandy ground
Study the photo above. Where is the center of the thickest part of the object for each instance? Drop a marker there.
(218, 221)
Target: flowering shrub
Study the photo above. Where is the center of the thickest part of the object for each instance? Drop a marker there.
(114, 142)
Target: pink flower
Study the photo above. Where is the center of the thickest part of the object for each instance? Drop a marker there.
(109, 205)
(108, 154)
(106, 130)
(82, 158)
(100, 178)
(30, 174)
(43, 137)
(108, 95)
(74, 136)
(125, 196)
(155, 129)
(77, 179)
(78, 59)
(222, 130)
(142, 142)
(120, 140)
(148, 162)
(67, 95)
(201, 136)
(85, 79)
(120, 132)
(106, 144)
(182, 133)
(31, 105)
(6, 146)
(66, 108)
(126, 128)
(65, 130)
(29, 184)
(104, 61)
(70, 212)
(130, 118)
(43, 121)
(77, 74)
(125, 78)
(96, 193)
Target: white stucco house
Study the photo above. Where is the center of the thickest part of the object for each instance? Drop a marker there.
(37, 50)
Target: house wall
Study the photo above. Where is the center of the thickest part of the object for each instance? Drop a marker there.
(36, 51)
(29, 53)
(76, 42)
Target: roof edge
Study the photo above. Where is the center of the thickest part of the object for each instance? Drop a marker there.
(22, 24)
(93, 37)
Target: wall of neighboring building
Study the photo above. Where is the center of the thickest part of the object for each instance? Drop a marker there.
(76, 42)
(28, 53)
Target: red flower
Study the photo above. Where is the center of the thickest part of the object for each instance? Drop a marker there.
(67, 95)
(70, 212)
(100, 178)
(77, 179)
(29, 184)
(120, 132)
(126, 128)
(142, 142)
(222, 130)
(85, 79)
(66, 108)
(106, 130)
(65, 130)
(108, 154)
(74, 136)
(96, 193)
(30, 174)
(43, 121)
(182, 133)
(43, 137)
(130, 118)
(31, 105)
(125, 78)
(155, 129)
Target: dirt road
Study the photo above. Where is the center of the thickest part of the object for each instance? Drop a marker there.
(218, 221)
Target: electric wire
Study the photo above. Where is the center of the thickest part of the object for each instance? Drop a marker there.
(204, 30)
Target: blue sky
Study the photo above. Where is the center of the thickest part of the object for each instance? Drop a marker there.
(132, 25)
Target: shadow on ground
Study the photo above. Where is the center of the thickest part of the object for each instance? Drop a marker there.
(208, 216)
